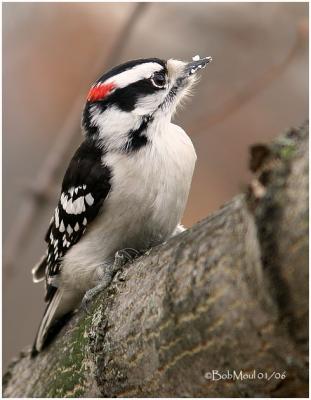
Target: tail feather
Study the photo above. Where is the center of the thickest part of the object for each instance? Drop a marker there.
(48, 320)
(38, 271)
(60, 307)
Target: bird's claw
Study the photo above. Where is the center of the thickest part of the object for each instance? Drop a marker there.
(121, 258)
(87, 298)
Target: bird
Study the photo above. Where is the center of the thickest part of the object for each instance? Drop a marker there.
(125, 188)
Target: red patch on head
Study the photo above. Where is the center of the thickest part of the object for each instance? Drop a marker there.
(100, 91)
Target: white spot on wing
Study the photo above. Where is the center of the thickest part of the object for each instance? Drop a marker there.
(62, 227)
(76, 228)
(69, 229)
(89, 199)
(69, 207)
(78, 205)
(56, 215)
(63, 201)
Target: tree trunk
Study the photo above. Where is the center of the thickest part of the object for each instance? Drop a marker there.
(229, 295)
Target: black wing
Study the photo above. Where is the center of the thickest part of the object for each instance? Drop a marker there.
(85, 186)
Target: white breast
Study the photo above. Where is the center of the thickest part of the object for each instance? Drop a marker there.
(146, 202)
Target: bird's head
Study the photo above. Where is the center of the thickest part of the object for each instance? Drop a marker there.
(129, 98)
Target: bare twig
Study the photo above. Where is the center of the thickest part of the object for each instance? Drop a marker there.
(40, 190)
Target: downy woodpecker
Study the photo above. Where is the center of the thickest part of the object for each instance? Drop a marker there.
(126, 186)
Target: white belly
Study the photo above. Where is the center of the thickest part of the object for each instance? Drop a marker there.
(149, 190)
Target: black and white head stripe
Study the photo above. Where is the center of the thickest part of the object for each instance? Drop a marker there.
(133, 71)
(124, 84)
(86, 185)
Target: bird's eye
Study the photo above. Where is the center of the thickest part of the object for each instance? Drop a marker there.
(158, 79)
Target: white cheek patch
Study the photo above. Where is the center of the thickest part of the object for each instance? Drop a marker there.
(140, 71)
(114, 125)
(113, 121)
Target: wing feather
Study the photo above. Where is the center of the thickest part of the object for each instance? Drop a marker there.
(85, 186)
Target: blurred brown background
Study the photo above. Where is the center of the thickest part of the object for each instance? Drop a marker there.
(256, 87)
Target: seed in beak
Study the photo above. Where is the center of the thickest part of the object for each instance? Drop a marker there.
(196, 58)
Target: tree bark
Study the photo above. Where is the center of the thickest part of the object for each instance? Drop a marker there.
(229, 294)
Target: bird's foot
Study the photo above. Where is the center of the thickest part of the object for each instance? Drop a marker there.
(92, 293)
(107, 273)
(124, 256)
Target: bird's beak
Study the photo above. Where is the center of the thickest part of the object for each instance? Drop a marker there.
(181, 76)
(181, 72)
(195, 65)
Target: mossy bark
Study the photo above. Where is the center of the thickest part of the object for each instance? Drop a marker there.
(229, 294)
